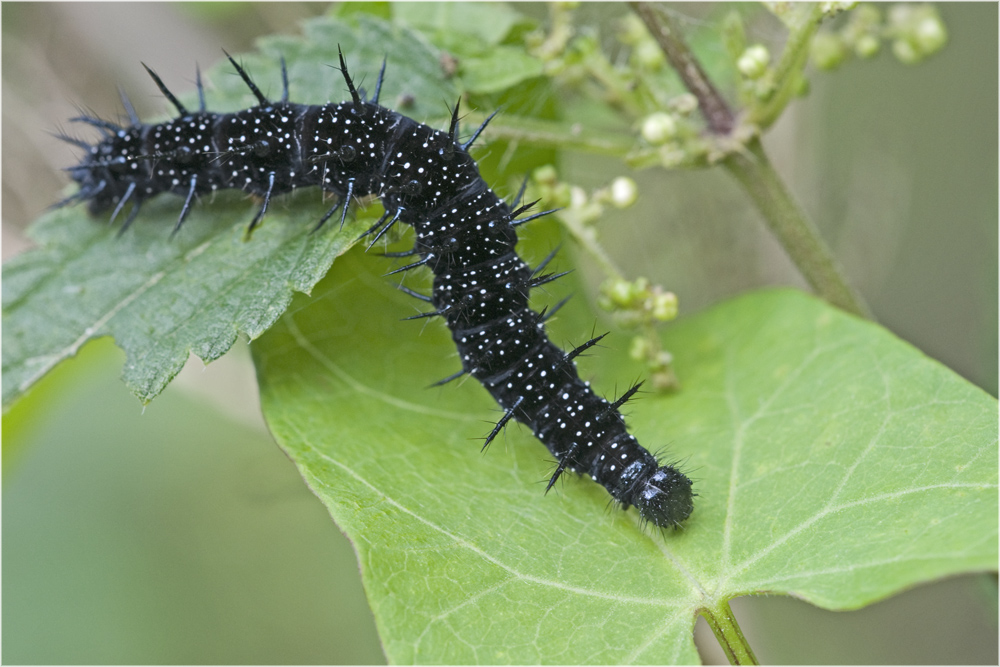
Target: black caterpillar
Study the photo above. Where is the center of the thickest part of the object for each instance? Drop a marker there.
(465, 234)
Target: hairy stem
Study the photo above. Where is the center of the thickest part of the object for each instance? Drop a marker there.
(731, 639)
(664, 30)
(795, 232)
(552, 134)
(588, 240)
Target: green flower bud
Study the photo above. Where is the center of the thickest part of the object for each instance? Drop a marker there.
(918, 32)
(866, 17)
(631, 30)
(930, 35)
(834, 8)
(754, 61)
(545, 175)
(801, 86)
(671, 157)
(639, 348)
(649, 55)
(684, 104)
(900, 15)
(640, 289)
(663, 377)
(618, 293)
(828, 51)
(867, 46)
(659, 128)
(561, 195)
(664, 306)
(904, 51)
(664, 359)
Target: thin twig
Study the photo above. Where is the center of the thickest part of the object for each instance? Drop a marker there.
(730, 636)
(663, 29)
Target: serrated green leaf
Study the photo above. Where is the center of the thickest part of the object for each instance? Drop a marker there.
(160, 300)
(503, 67)
(163, 298)
(833, 462)
(464, 28)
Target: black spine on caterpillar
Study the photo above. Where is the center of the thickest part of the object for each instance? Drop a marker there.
(465, 234)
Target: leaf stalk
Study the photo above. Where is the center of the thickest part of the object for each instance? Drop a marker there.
(723, 623)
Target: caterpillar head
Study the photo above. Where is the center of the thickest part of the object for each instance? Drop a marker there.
(664, 498)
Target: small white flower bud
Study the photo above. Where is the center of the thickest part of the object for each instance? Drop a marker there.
(930, 35)
(754, 61)
(659, 128)
(624, 192)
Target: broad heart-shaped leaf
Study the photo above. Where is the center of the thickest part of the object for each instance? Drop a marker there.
(164, 298)
(833, 462)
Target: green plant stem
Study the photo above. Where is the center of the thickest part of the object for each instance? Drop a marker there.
(552, 134)
(588, 240)
(750, 166)
(798, 236)
(731, 639)
(801, 30)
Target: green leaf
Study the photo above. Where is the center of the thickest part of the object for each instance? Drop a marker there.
(833, 462)
(160, 300)
(472, 33)
(503, 67)
(464, 28)
(164, 298)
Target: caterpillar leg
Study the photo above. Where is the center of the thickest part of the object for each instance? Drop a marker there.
(563, 462)
(503, 422)
(267, 200)
(187, 205)
(122, 202)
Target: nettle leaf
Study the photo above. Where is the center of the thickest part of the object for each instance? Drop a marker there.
(160, 299)
(163, 298)
(833, 462)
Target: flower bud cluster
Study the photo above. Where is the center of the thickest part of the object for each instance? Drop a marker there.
(915, 32)
(636, 302)
(583, 207)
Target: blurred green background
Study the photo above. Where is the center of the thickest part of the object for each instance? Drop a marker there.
(179, 533)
